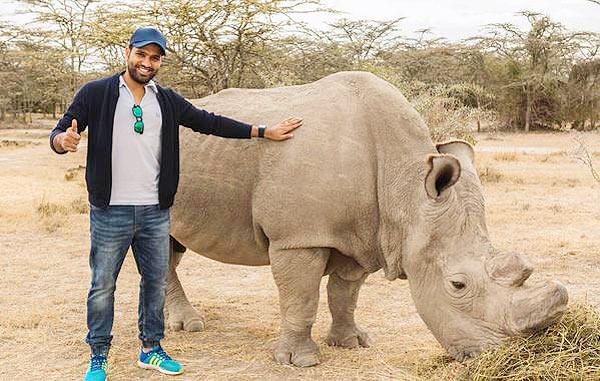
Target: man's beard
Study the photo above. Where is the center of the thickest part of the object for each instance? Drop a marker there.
(133, 73)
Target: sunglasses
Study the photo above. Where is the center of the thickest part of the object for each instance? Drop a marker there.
(139, 122)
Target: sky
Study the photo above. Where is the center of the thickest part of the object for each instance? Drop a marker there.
(452, 19)
(459, 19)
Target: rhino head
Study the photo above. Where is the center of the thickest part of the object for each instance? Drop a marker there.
(469, 294)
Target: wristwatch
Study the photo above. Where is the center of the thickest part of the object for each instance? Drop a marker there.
(261, 130)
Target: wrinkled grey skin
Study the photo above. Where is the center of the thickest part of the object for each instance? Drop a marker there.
(361, 187)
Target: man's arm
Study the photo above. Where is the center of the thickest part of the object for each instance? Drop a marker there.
(211, 124)
(65, 136)
(208, 123)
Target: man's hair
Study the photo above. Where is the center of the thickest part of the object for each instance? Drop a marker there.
(131, 47)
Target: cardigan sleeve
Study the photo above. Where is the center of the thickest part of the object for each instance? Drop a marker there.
(209, 123)
(77, 110)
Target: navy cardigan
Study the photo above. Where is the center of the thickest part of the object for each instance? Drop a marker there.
(94, 107)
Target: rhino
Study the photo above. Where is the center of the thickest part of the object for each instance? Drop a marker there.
(360, 188)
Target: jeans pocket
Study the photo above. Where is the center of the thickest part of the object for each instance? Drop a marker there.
(93, 207)
(163, 212)
(97, 209)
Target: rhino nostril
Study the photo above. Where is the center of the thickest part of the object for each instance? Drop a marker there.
(561, 294)
(526, 272)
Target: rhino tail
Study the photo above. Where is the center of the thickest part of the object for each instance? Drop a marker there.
(177, 246)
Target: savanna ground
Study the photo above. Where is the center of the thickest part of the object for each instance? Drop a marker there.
(539, 201)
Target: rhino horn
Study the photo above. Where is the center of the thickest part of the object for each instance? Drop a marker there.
(509, 269)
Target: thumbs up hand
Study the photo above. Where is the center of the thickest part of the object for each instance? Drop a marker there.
(70, 139)
(74, 126)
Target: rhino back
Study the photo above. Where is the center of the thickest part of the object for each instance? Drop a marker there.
(318, 189)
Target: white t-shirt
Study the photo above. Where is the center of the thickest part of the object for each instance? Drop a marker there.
(136, 157)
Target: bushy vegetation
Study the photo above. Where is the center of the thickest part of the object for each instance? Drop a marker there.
(543, 76)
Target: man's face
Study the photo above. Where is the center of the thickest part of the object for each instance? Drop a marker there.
(143, 63)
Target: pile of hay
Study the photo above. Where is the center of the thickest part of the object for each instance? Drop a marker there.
(568, 350)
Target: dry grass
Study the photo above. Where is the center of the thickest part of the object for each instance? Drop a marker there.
(75, 173)
(439, 366)
(54, 215)
(554, 157)
(506, 156)
(566, 182)
(490, 175)
(8, 143)
(569, 350)
(47, 209)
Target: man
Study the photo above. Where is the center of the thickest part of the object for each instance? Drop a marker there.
(132, 174)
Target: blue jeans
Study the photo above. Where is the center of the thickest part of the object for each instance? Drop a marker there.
(113, 231)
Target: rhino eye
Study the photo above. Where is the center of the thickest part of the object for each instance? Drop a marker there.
(457, 285)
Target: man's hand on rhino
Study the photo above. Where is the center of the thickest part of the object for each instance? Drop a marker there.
(68, 140)
(283, 130)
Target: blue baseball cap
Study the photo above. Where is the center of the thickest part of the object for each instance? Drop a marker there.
(146, 36)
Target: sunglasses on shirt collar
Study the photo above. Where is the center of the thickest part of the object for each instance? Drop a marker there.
(139, 122)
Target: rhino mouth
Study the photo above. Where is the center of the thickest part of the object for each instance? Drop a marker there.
(464, 354)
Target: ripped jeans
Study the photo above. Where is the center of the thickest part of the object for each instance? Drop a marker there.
(113, 230)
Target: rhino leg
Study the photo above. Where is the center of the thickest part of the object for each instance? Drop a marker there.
(180, 313)
(342, 295)
(298, 274)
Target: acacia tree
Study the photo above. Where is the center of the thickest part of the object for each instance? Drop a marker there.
(345, 45)
(5, 75)
(426, 60)
(213, 44)
(31, 82)
(364, 40)
(64, 25)
(32, 73)
(583, 94)
(536, 63)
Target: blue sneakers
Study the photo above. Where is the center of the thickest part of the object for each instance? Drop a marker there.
(159, 360)
(97, 369)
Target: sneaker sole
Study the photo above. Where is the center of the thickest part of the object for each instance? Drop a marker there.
(107, 378)
(143, 365)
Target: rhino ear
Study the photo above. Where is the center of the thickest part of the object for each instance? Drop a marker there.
(443, 173)
(461, 149)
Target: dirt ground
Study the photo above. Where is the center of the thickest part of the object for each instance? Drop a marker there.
(540, 201)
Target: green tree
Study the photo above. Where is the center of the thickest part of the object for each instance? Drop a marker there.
(583, 96)
(536, 62)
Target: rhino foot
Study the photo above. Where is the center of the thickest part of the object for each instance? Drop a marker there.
(349, 337)
(303, 354)
(187, 319)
